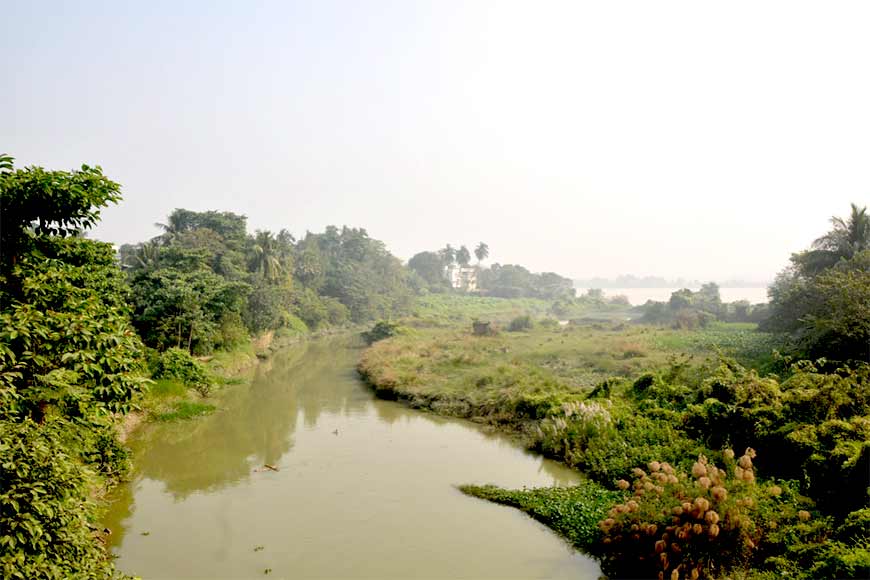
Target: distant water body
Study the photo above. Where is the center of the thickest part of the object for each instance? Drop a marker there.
(640, 295)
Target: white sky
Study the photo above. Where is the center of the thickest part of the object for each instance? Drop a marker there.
(696, 139)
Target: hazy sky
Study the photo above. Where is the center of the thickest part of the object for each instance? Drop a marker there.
(697, 139)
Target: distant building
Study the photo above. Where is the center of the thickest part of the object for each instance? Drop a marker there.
(462, 277)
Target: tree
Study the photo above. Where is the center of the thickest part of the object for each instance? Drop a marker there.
(264, 258)
(430, 267)
(847, 238)
(463, 256)
(69, 359)
(36, 202)
(481, 252)
(707, 298)
(681, 299)
(821, 300)
(448, 255)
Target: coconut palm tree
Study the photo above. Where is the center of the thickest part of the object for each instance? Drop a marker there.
(264, 258)
(171, 229)
(847, 238)
(463, 256)
(147, 257)
(448, 254)
(481, 252)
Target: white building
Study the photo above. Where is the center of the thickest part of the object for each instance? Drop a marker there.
(462, 278)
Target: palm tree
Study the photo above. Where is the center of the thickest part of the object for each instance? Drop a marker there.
(463, 256)
(263, 256)
(481, 252)
(148, 256)
(847, 238)
(5, 162)
(448, 254)
(171, 229)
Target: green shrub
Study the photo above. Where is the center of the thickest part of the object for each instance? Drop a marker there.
(231, 331)
(294, 324)
(380, 331)
(44, 508)
(520, 323)
(177, 364)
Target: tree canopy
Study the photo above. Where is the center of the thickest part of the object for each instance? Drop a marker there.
(822, 300)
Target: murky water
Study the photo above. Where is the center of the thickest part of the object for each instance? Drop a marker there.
(364, 488)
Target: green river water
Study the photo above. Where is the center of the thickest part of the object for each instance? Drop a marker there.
(365, 488)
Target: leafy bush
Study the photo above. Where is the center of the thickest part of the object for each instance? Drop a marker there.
(520, 323)
(44, 508)
(380, 331)
(294, 324)
(177, 364)
(814, 426)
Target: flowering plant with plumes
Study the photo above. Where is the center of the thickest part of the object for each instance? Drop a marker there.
(677, 525)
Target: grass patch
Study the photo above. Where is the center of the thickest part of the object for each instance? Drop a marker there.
(573, 512)
(446, 309)
(166, 388)
(185, 410)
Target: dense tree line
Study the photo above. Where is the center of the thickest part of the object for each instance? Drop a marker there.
(206, 284)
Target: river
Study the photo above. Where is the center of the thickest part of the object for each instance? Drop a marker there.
(365, 488)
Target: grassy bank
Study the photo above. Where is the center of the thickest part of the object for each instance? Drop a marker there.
(655, 415)
(514, 377)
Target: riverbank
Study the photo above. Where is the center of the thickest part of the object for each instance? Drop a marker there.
(656, 416)
(171, 400)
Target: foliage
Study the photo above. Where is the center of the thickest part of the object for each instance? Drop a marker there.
(183, 410)
(701, 524)
(693, 310)
(380, 331)
(574, 511)
(40, 203)
(194, 283)
(430, 267)
(822, 300)
(814, 426)
(65, 337)
(360, 273)
(481, 252)
(521, 323)
(177, 364)
(44, 508)
(513, 281)
(69, 360)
